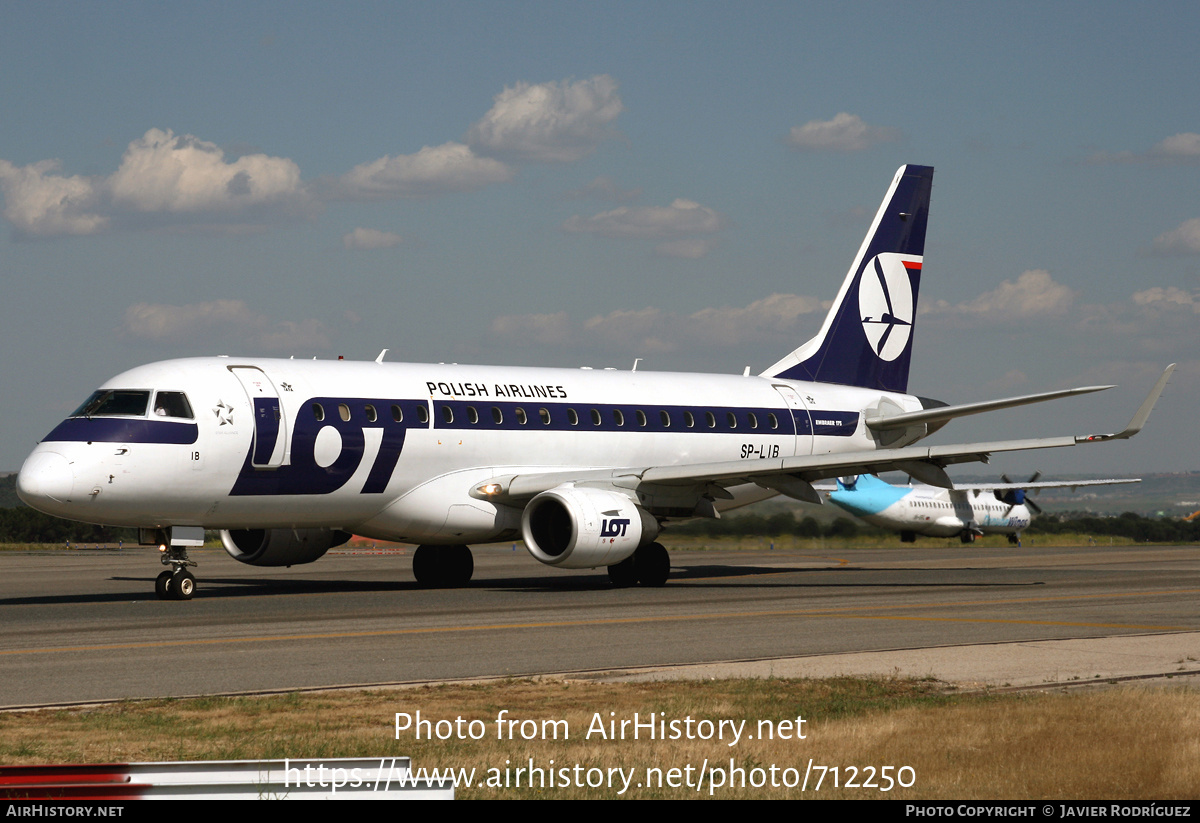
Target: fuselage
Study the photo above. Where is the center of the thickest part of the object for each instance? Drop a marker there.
(931, 511)
(393, 450)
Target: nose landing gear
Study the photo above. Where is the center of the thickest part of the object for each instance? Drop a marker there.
(176, 583)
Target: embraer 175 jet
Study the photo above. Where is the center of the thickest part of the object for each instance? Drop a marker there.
(288, 458)
(968, 510)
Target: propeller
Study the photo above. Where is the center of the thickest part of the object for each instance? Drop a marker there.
(1017, 497)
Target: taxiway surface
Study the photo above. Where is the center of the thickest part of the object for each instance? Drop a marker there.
(79, 626)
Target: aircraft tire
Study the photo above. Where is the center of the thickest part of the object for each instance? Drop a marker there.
(425, 567)
(162, 586)
(623, 574)
(653, 565)
(460, 565)
(183, 585)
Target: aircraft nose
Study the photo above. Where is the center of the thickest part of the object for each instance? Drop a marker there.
(46, 476)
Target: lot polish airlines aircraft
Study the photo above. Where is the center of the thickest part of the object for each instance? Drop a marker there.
(968, 510)
(287, 458)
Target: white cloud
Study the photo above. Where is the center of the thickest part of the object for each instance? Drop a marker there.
(845, 132)
(163, 179)
(40, 203)
(450, 167)
(1184, 146)
(604, 188)
(1182, 240)
(776, 320)
(362, 238)
(548, 122)
(1162, 323)
(533, 329)
(1178, 149)
(688, 248)
(162, 172)
(1169, 299)
(222, 323)
(679, 227)
(1034, 296)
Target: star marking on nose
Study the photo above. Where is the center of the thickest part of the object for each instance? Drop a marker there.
(224, 413)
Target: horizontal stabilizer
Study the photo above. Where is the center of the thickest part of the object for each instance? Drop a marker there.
(944, 413)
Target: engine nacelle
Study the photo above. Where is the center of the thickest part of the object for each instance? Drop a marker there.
(280, 547)
(582, 528)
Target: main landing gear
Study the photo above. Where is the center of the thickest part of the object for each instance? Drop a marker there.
(650, 565)
(176, 583)
(443, 567)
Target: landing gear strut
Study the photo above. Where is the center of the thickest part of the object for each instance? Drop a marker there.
(177, 583)
(443, 567)
(650, 565)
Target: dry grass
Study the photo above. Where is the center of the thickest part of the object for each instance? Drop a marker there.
(1119, 744)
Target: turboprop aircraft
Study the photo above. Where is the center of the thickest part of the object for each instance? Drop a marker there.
(968, 510)
(288, 458)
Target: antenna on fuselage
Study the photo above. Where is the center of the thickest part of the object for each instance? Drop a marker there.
(636, 360)
(379, 359)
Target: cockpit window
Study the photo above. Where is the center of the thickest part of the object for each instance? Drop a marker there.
(115, 403)
(172, 404)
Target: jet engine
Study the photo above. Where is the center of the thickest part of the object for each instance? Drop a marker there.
(280, 547)
(582, 528)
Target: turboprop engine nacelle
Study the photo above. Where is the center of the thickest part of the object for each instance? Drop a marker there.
(582, 528)
(280, 547)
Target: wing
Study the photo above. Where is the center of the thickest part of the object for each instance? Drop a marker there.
(670, 488)
(1049, 484)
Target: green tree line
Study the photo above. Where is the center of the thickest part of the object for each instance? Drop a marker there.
(26, 525)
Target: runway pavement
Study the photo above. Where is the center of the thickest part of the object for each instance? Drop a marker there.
(81, 626)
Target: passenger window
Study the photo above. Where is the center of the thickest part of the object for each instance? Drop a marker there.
(665, 419)
(731, 419)
(595, 417)
(753, 420)
(448, 414)
(641, 418)
(710, 420)
(423, 413)
(618, 418)
(472, 415)
(370, 412)
(397, 414)
(688, 420)
(572, 417)
(497, 415)
(772, 420)
(343, 411)
(318, 411)
(521, 418)
(172, 404)
(545, 415)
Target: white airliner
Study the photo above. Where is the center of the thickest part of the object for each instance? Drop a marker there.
(968, 510)
(289, 457)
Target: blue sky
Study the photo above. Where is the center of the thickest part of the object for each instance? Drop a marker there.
(586, 183)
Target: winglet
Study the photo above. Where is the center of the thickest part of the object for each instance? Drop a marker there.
(1141, 415)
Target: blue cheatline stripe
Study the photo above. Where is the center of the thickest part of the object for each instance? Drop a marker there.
(122, 430)
(624, 417)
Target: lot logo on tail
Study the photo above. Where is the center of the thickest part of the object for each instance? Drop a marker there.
(886, 304)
